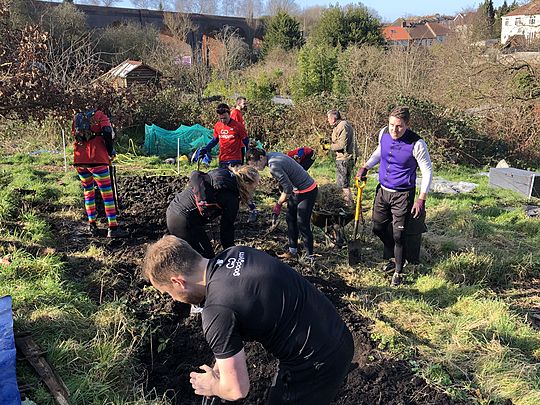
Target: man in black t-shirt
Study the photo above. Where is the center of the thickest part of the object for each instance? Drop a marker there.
(250, 296)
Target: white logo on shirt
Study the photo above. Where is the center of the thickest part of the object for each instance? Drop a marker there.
(219, 262)
(236, 263)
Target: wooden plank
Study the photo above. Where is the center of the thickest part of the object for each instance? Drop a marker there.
(34, 355)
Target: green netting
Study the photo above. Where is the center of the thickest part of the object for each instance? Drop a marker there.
(162, 142)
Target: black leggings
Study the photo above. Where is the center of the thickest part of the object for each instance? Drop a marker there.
(299, 209)
(190, 227)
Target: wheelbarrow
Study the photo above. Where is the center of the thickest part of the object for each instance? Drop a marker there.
(333, 224)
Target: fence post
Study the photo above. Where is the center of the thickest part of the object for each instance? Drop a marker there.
(64, 145)
(178, 155)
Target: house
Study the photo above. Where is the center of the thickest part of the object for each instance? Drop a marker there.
(463, 22)
(419, 34)
(130, 72)
(523, 21)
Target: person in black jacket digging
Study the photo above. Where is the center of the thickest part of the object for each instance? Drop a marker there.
(209, 195)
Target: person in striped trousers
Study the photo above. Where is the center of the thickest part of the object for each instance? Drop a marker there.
(93, 150)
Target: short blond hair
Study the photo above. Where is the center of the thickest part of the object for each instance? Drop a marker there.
(168, 257)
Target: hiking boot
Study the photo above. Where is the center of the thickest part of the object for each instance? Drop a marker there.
(93, 229)
(117, 233)
(396, 280)
(288, 255)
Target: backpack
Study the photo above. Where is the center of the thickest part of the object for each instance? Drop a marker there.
(82, 123)
(205, 194)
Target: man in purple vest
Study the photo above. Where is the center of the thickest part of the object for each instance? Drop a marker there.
(400, 152)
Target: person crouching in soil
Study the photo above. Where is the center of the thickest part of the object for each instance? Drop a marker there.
(304, 156)
(299, 190)
(248, 296)
(209, 195)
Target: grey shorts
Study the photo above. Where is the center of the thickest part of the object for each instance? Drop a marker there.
(343, 173)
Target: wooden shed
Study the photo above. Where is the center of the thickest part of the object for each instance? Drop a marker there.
(130, 72)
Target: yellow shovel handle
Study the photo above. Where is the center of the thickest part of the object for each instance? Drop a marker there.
(360, 186)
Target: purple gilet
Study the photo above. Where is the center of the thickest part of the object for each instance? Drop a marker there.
(398, 165)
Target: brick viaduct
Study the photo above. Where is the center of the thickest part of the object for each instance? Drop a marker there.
(207, 25)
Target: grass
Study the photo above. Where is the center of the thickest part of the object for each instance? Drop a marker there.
(91, 346)
(460, 319)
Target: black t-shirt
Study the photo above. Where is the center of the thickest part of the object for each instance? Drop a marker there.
(251, 296)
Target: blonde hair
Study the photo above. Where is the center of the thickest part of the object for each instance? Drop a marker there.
(245, 176)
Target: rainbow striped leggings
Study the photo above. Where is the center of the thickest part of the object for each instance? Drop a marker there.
(98, 175)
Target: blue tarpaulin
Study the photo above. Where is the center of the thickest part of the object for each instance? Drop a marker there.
(163, 142)
(9, 391)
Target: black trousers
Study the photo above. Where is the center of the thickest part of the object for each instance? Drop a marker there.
(391, 216)
(190, 227)
(315, 382)
(299, 209)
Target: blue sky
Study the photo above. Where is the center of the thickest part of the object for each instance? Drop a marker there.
(389, 10)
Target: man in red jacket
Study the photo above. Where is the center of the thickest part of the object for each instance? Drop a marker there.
(231, 136)
(92, 152)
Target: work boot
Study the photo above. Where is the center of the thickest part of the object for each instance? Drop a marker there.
(396, 279)
(93, 229)
(116, 232)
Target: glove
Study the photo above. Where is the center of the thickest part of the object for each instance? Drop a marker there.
(418, 208)
(362, 174)
(207, 159)
(326, 146)
(199, 153)
(275, 213)
(113, 154)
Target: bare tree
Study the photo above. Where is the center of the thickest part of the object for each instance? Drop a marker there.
(145, 4)
(207, 6)
(290, 6)
(200, 75)
(234, 52)
(105, 3)
(179, 25)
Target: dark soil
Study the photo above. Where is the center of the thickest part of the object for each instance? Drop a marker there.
(176, 346)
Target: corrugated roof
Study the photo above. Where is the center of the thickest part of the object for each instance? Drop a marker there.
(533, 8)
(124, 68)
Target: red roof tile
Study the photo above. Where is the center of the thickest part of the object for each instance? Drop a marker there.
(395, 33)
(533, 8)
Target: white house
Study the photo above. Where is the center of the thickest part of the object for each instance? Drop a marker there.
(523, 21)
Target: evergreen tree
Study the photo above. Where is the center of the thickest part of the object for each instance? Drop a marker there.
(484, 25)
(283, 32)
(351, 25)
